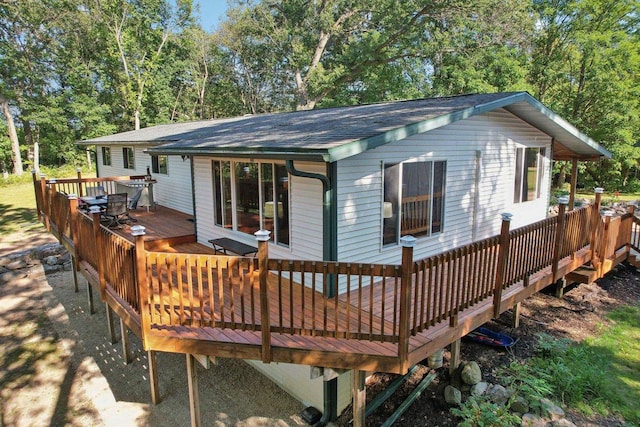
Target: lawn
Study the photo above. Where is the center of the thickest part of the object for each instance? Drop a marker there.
(18, 207)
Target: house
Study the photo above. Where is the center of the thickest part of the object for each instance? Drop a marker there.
(346, 183)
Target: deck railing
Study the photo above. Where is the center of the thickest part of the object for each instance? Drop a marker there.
(383, 303)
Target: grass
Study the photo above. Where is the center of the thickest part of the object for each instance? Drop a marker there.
(18, 207)
(18, 200)
(599, 376)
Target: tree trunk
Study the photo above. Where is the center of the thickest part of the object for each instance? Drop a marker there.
(13, 137)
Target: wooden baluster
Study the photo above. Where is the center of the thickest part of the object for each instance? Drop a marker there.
(632, 212)
(407, 243)
(605, 245)
(262, 236)
(503, 256)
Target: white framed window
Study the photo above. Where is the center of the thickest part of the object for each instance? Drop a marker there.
(529, 163)
(249, 196)
(128, 158)
(413, 199)
(106, 156)
(160, 164)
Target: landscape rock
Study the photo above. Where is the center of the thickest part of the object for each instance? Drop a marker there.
(51, 260)
(471, 373)
(520, 405)
(479, 389)
(532, 420)
(550, 409)
(452, 395)
(498, 394)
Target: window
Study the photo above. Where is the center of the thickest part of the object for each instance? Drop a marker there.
(529, 173)
(106, 156)
(159, 164)
(249, 196)
(128, 159)
(413, 199)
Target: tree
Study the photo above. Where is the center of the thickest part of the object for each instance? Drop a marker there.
(586, 66)
(317, 49)
(139, 31)
(13, 138)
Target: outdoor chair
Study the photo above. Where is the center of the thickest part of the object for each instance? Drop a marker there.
(116, 211)
(96, 191)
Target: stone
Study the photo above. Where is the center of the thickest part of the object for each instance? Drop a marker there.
(479, 389)
(563, 422)
(471, 373)
(519, 405)
(532, 420)
(498, 394)
(452, 395)
(51, 260)
(550, 409)
(16, 264)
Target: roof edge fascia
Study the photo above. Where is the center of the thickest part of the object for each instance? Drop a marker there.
(360, 146)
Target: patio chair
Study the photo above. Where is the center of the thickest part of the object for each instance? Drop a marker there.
(96, 191)
(116, 210)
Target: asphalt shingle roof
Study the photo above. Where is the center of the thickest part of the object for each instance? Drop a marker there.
(335, 133)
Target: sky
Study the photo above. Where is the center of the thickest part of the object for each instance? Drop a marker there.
(211, 13)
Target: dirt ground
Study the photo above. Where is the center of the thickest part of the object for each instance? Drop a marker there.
(58, 366)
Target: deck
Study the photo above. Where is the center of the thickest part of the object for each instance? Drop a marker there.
(178, 296)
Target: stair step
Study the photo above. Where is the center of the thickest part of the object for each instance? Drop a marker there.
(583, 274)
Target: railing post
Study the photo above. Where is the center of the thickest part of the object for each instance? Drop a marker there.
(80, 192)
(262, 236)
(560, 232)
(632, 212)
(140, 255)
(605, 243)
(38, 194)
(73, 226)
(503, 256)
(45, 202)
(101, 257)
(407, 242)
(595, 221)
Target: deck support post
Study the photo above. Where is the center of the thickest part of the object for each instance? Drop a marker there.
(407, 243)
(79, 174)
(595, 221)
(561, 283)
(516, 315)
(503, 255)
(74, 269)
(153, 377)
(359, 393)
(455, 356)
(194, 396)
(92, 308)
(560, 231)
(112, 331)
(262, 236)
(36, 184)
(126, 347)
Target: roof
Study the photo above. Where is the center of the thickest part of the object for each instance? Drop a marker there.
(333, 134)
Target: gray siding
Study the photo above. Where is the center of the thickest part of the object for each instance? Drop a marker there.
(494, 135)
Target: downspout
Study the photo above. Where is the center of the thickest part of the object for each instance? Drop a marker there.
(329, 253)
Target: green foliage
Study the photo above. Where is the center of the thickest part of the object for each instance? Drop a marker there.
(480, 412)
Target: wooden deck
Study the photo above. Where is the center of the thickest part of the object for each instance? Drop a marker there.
(180, 297)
